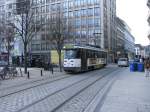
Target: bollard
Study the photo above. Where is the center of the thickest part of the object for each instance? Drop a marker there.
(28, 75)
(52, 69)
(41, 73)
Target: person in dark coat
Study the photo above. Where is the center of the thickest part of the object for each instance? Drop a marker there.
(147, 67)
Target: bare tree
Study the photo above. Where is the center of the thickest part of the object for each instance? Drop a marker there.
(26, 24)
(7, 37)
(59, 32)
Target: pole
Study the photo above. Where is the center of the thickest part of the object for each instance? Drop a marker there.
(41, 73)
(28, 75)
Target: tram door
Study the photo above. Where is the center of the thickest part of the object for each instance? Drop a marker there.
(83, 60)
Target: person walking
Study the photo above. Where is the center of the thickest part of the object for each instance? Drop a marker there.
(147, 67)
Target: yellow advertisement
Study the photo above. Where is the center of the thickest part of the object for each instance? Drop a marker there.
(55, 57)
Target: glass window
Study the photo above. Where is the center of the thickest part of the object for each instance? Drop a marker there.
(90, 12)
(52, 7)
(65, 6)
(47, 1)
(42, 1)
(43, 9)
(77, 3)
(77, 13)
(77, 23)
(96, 2)
(83, 32)
(70, 4)
(90, 22)
(70, 14)
(47, 8)
(83, 12)
(90, 2)
(97, 11)
(69, 54)
(97, 22)
(83, 2)
(65, 15)
(83, 22)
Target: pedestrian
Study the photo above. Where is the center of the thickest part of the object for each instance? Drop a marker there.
(147, 67)
(52, 69)
(141, 60)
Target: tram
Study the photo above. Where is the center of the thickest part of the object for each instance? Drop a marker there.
(83, 58)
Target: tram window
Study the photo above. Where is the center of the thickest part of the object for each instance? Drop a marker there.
(89, 54)
(72, 54)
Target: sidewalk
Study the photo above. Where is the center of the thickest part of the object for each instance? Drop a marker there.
(130, 93)
(35, 74)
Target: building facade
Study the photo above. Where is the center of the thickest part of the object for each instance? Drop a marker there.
(148, 4)
(125, 41)
(93, 23)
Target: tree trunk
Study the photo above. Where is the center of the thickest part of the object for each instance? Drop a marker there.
(8, 56)
(60, 67)
(25, 58)
(8, 51)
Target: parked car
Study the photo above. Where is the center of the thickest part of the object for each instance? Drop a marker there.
(123, 62)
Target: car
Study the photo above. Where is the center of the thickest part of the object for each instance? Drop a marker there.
(123, 62)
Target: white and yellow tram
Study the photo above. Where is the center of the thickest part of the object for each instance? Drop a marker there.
(84, 58)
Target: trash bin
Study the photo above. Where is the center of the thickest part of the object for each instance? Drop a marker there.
(140, 67)
(133, 67)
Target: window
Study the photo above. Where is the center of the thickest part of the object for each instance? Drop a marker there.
(90, 12)
(43, 9)
(42, 1)
(65, 6)
(90, 2)
(65, 14)
(90, 22)
(96, 2)
(70, 14)
(97, 11)
(77, 3)
(83, 12)
(77, 13)
(83, 22)
(47, 1)
(97, 22)
(43, 46)
(77, 23)
(10, 6)
(70, 4)
(53, 8)
(47, 8)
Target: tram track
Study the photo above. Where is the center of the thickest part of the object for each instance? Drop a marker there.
(33, 84)
(28, 85)
(77, 87)
(81, 100)
(37, 93)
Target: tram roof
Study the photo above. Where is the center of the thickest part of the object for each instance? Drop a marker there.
(85, 47)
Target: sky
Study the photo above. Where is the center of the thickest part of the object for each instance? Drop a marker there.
(135, 14)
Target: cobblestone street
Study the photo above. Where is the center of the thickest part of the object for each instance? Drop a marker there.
(94, 91)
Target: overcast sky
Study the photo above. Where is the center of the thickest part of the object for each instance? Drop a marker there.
(135, 13)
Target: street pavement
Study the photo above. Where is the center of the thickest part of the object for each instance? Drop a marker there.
(129, 93)
(35, 74)
(111, 89)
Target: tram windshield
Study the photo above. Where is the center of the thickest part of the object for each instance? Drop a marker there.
(71, 54)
